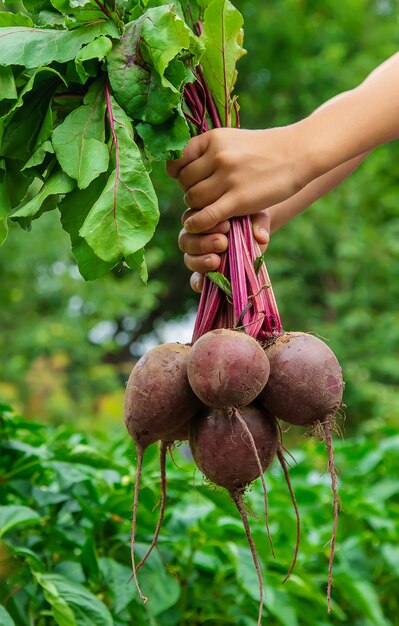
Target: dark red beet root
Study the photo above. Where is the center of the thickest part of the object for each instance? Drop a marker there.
(305, 383)
(222, 450)
(158, 401)
(233, 448)
(305, 388)
(227, 368)
(158, 397)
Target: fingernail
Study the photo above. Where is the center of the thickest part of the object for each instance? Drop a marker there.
(188, 225)
(208, 261)
(264, 234)
(218, 245)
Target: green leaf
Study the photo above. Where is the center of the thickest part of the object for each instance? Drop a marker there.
(39, 155)
(60, 610)
(222, 37)
(50, 18)
(164, 36)
(14, 19)
(72, 604)
(79, 141)
(5, 617)
(13, 185)
(136, 261)
(124, 217)
(24, 123)
(74, 209)
(35, 47)
(165, 141)
(30, 557)
(97, 49)
(8, 91)
(222, 282)
(14, 515)
(363, 595)
(161, 587)
(258, 263)
(57, 184)
(145, 72)
(115, 576)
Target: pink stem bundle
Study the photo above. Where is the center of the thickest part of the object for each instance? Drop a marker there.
(251, 305)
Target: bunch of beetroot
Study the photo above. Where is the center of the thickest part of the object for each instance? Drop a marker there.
(226, 392)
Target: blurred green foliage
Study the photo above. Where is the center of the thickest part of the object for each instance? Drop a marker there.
(65, 529)
(67, 346)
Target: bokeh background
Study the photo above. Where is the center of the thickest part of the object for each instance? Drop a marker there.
(67, 348)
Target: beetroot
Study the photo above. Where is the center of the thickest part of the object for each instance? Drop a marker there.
(305, 388)
(232, 449)
(305, 383)
(227, 368)
(158, 400)
(220, 446)
(158, 397)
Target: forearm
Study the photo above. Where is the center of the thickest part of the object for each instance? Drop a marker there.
(354, 122)
(283, 212)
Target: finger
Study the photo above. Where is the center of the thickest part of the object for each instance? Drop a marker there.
(261, 228)
(205, 193)
(194, 172)
(210, 216)
(202, 244)
(202, 263)
(196, 282)
(195, 148)
(222, 228)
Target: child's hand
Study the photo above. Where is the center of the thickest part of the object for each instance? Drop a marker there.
(202, 251)
(228, 172)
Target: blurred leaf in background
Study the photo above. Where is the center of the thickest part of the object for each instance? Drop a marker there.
(65, 528)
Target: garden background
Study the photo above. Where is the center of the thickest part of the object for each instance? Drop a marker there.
(67, 348)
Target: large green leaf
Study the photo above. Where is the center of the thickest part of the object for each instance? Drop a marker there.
(24, 122)
(74, 209)
(15, 515)
(57, 184)
(167, 140)
(146, 75)
(72, 604)
(79, 141)
(164, 36)
(33, 47)
(60, 610)
(222, 37)
(124, 217)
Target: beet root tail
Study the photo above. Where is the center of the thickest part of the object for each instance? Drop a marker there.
(162, 466)
(239, 417)
(283, 463)
(140, 453)
(238, 501)
(328, 433)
